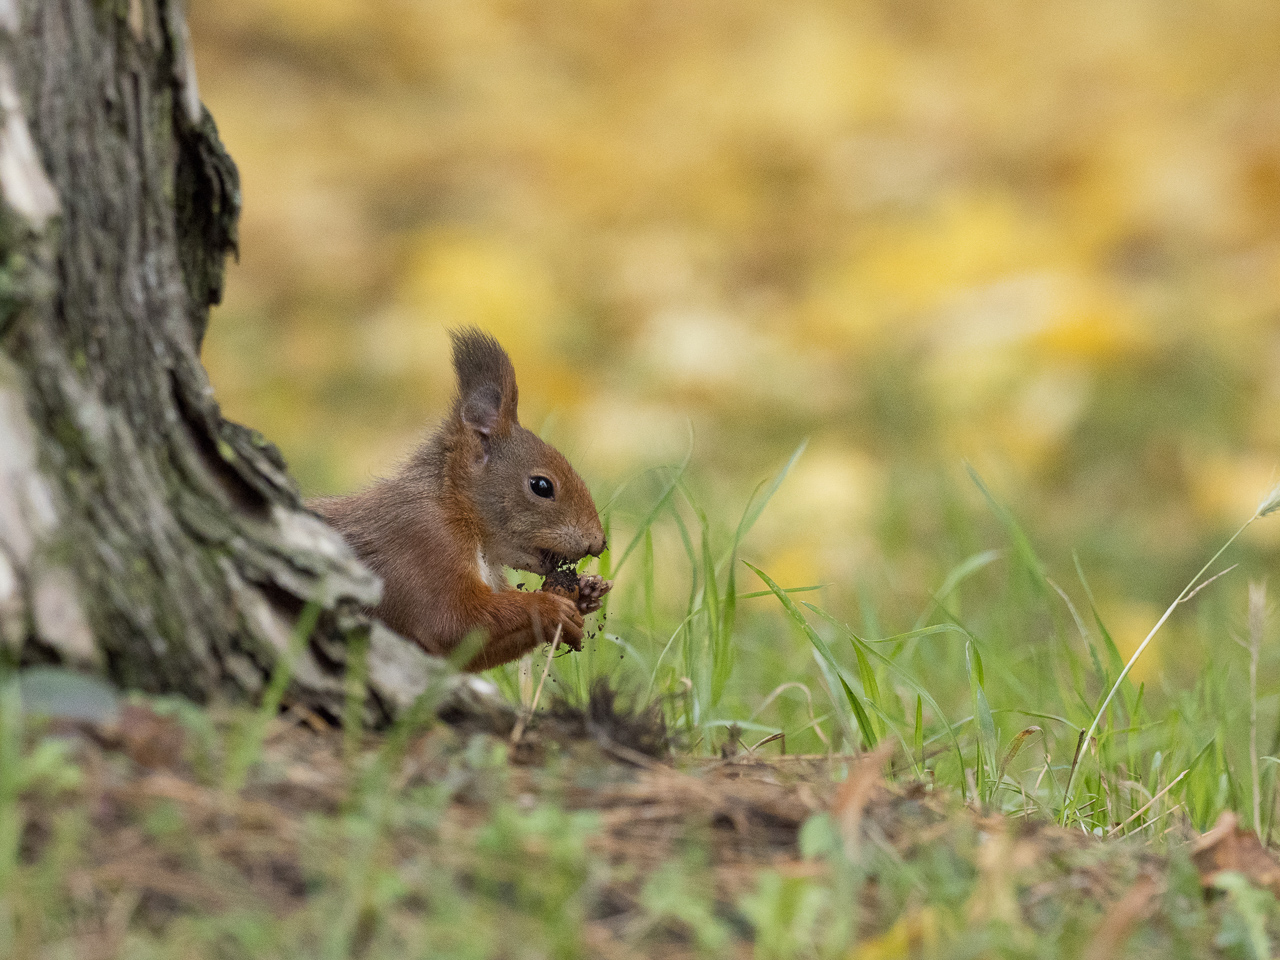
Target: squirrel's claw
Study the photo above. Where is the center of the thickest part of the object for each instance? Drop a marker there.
(591, 591)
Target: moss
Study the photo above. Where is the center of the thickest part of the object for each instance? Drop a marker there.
(108, 10)
(68, 435)
(10, 298)
(14, 268)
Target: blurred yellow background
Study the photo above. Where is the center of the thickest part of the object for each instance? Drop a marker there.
(1040, 237)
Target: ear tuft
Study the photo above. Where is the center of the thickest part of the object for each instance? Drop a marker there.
(487, 394)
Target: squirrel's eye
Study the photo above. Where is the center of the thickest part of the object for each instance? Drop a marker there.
(542, 487)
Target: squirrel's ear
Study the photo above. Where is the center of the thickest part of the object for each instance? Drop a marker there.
(481, 412)
(487, 394)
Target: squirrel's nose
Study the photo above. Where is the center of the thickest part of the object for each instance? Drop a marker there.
(598, 547)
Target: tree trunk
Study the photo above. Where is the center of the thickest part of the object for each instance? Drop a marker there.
(141, 535)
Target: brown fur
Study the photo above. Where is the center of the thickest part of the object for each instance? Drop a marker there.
(461, 508)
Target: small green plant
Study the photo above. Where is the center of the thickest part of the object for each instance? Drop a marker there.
(786, 912)
(42, 768)
(673, 895)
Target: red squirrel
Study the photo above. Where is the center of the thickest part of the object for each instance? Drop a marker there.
(481, 494)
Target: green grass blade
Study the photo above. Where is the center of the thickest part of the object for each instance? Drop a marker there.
(987, 745)
(649, 584)
(725, 614)
(870, 689)
(834, 683)
(717, 670)
(789, 605)
(723, 653)
(913, 683)
(1021, 542)
(930, 631)
(865, 725)
(355, 694)
(692, 554)
(757, 503)
(769, 593)
(576, 673)
(1115, 660)
(917, 742)
(245, 749)
(655, 511)
(975, 663)
(675, 635)
(965, 569)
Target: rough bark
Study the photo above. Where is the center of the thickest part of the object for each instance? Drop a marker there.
(142, 535)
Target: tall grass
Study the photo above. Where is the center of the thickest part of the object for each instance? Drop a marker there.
(1004, 687)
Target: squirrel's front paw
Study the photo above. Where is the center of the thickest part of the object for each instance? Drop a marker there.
(591, 591)
(557, 611)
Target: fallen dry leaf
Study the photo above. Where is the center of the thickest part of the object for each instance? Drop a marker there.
(1227, 847)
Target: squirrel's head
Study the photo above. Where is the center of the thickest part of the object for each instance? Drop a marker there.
(535, 509)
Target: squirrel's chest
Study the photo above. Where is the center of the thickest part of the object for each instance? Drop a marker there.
(490, 573)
